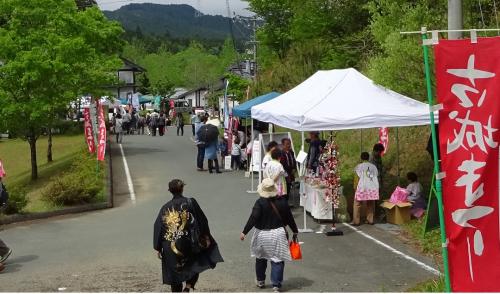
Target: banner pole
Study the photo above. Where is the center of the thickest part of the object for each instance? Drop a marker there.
(439, 190)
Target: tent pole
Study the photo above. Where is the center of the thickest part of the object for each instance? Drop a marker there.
(303, 190)
(397, 151)
(439, 188)
(360, 141)
(252, 190)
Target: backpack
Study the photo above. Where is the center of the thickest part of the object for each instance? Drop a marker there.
(4, 195)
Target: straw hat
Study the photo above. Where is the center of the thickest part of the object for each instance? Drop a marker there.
(267, 188)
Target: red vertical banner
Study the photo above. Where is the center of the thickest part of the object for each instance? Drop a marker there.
(2, 170)
(101, 147)
(468, 87)
(384, 138)
(89, 134)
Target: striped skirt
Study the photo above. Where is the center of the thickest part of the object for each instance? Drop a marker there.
(271, 245)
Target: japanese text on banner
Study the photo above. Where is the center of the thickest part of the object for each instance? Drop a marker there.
(469, 123)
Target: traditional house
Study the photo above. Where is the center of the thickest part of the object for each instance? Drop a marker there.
(127, 77)
(196, 97)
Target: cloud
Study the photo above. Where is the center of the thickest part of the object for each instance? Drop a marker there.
(215, 7)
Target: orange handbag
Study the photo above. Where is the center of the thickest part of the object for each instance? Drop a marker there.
(295, 250)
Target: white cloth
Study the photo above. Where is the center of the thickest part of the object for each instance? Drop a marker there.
(368, 182)
(118, 125)
(274, 170)
(341, 99)
(271, 245)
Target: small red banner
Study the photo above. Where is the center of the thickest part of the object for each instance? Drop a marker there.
(468, 87)
(89, 134)
(101, 147)
(384, 138)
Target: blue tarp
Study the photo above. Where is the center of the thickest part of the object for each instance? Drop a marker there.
(244, 110)
(142, 99)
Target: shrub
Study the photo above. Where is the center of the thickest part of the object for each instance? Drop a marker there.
(80, 185)
(69, 127)
(18, 200)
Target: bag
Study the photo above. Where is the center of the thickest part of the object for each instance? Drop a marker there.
(399, 195)
(276, 211)
(4, 195)
(295, 250)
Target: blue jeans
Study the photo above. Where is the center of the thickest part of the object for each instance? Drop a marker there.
(277, 269)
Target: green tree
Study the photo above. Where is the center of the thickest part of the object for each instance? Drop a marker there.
(51, 52)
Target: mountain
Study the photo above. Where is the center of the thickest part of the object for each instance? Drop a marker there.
(177, 21)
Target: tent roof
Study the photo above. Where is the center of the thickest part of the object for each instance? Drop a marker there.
(243, 110)
(340, 100)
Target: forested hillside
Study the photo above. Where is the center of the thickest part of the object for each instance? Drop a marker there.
(176, 21)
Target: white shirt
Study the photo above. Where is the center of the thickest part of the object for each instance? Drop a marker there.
(275, 171)
(236, 149)
(267, 158)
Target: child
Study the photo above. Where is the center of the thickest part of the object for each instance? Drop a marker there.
(415, 195)
(366, 190)
(236, 154)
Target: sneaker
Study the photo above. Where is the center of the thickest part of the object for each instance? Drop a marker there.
(260, 284)
(4, 258)
(276, 289)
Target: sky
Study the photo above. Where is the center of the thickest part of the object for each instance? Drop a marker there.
(215, 7)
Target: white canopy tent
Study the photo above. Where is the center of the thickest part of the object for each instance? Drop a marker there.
(341, 100)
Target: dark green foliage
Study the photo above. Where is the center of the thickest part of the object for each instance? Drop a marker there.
(176, 22)
(80, 185)
(18, 200)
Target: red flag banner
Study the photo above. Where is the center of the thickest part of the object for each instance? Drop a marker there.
(384, 138)
(468, 87)
(2, 170)
(101, 148)
(89, 134)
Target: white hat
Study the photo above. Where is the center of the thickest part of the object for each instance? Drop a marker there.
(267, 188)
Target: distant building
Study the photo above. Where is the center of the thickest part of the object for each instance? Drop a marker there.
(196, 97)
(82, 4)
(127, 77)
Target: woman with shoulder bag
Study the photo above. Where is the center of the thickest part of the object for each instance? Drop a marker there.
(270, 215)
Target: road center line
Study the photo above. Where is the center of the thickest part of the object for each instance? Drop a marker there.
(127, 174)
(395, 251)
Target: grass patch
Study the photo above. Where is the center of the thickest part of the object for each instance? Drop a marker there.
(434, 285)
(15, 155)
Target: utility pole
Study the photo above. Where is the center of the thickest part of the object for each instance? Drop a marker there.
(455, 19)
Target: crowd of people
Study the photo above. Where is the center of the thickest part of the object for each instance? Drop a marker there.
(151, 123)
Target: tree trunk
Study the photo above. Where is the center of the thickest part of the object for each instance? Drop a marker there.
(34, 166)
(49, 146)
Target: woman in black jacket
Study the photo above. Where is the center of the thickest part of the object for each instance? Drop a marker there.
(270, 215)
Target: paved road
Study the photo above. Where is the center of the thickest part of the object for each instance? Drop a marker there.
(111, 250)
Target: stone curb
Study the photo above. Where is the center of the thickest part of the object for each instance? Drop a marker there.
(10, 219)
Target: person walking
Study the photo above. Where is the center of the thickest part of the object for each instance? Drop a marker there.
(155, 118)
(183, 241)
(367, 190)
(5, 251)
(270, 216)
(126, 122)
(274, 170)
(119, 128)
(141, 124)
(200, 145)
(236, 154)
(194, 119)
(161, 124)
(314, 151)
(211, 154)
(179, 123)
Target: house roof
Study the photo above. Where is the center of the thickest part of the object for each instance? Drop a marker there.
(135, 67)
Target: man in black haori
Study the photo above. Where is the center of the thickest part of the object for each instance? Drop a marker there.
(183, 241)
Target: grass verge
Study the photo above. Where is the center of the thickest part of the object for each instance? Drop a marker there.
(15, 155)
